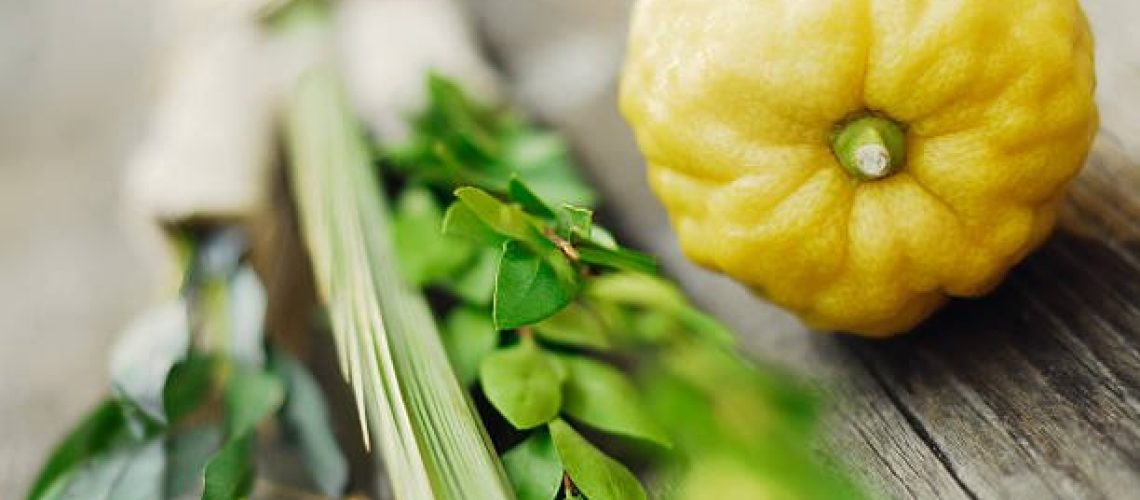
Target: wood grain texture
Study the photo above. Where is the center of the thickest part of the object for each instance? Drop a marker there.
(1030, 392)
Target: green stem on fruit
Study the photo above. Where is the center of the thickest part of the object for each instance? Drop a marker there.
(870, 147)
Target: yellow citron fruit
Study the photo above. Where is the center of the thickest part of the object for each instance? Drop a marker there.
(859, 161)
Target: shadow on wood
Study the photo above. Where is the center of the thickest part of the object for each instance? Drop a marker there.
(1038, 381)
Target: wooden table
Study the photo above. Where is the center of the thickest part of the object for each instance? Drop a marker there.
(1031, 392)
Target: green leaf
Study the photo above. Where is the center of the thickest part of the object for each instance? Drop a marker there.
(600, 396)
(685, 411)
(507, 220)
(466, 119)
(575, 325)
(790, 473)
(476, 284)
(186, 456)
(602, 238)
(558, 184)
(306, 416)
(574, 223)
(707, 326)
(716, 474)
(251, 397)
(469, 336)
(533, 467)
(790, 409)
(425, 253)
(652, 292)
(98, 432)
(622, 259)
(187, 386)
(229, 473)
(542, 161)
(132, 472)
(140, 361)
(531, 150)
(597, 475)
(636, 289)
(753, 458)
(460, 221)
(529, 288)
(523, 383)
(456, 140)
(653, 326)
(530, 202)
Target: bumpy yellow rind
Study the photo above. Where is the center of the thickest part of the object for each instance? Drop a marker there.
(733, 103)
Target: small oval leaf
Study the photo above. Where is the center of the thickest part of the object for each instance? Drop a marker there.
(595, 473)
(622, 259)
(504, 219)
(573, 223)
(461, 222)
(520, 193)
(425, 253)
(600, 396)
(636, 289)
(98, 433)
(653, 292)
(575, 325)
(530, 288)
(523, 383)
(251, 396)
(187, 453)
(188, 386)
(229, 473)
(144, 355)
(476, 284)
(469, 336)
(132, 472)
(306, 414)
(533, 467)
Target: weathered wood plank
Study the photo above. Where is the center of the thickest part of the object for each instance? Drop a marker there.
(1032, 391)
(1024, 392)
(867, 429)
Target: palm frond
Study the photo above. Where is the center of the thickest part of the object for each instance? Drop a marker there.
(428, 434)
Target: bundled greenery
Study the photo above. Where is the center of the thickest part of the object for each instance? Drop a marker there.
(597, 370)
(545, 314)
(484, 295)
(192, 380)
